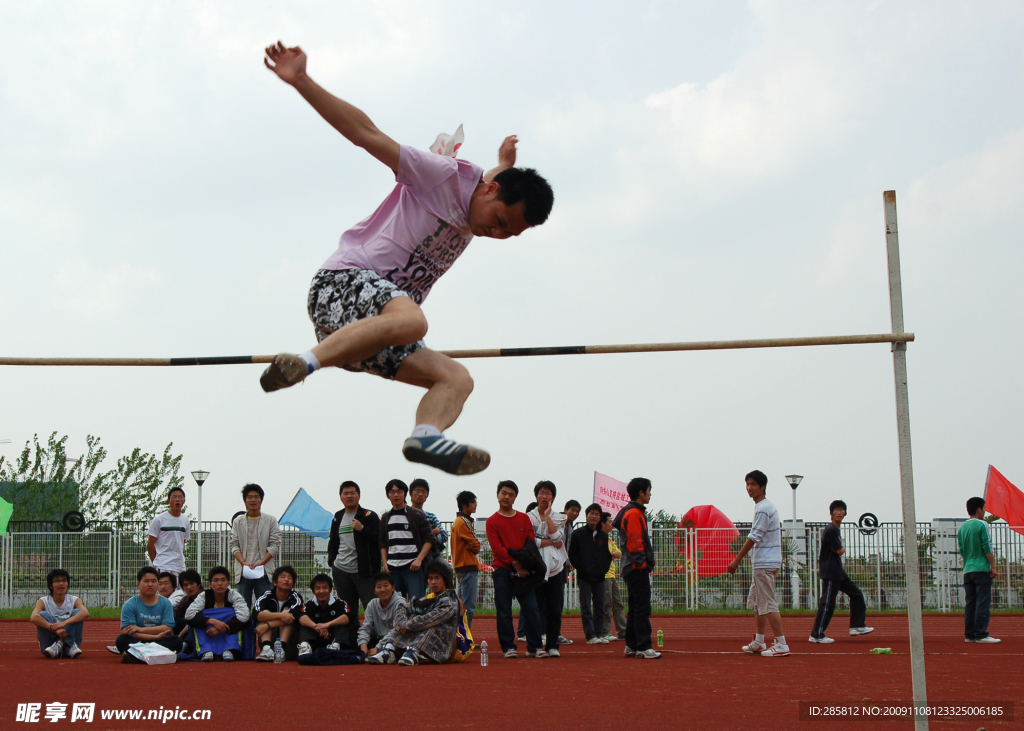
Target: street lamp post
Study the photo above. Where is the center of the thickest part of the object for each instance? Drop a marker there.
(794, 481)
(200, 477)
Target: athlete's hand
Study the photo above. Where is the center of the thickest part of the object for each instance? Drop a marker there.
(733, 565)
(416, 565)
(356, 525)
(288, 63)
(507, 152)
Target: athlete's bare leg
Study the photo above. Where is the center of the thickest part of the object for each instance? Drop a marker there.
(400, 322)
(448, 385)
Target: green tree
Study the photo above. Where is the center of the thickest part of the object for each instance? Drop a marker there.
(133, 490)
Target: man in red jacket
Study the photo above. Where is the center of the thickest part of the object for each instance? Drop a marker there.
(637, 565)
(508, 529)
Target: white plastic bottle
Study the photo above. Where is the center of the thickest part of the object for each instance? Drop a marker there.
(483, 654)
(278, 651)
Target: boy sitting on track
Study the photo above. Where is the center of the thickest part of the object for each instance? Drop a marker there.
(365, 300)
(219, 615)
(379, 620)
(167, 585)
(192, 584)
(425, 629)
(58, 618)
(276, 613)
(765, 539)
(146, 617)
(324, 620)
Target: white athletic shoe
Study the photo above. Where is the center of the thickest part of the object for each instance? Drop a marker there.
(754, 647)
(539, 654)
(334, 646)
(113, 649)
(304, 649)
(776, 650)
(988, 641)
(630, 652)
(207, 657)
(604, 640)
(72, 650)
(611, 638)
(596, 641)
(227, 656)
(511, 654)
(553, 652)
(855, 631)
(651, 654)
(55, 650)
(564, 640)
(266, 654)
(820, 640)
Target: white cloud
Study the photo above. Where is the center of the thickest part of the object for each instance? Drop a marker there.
(83, 290)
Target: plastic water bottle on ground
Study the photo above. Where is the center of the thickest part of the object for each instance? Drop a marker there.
(278, 651)
(661, 638)
(881, 651)
(483, 654)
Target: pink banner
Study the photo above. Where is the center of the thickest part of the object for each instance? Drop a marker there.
(610, 493)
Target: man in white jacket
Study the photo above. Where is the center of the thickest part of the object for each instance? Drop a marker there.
(549, 528)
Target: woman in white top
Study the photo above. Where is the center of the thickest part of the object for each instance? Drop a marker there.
(58, 618)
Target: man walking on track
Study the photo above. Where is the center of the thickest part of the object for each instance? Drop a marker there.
(365, 301)
(835, 580)
(637, 565)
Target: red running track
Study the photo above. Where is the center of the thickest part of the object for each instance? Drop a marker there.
(703, 681)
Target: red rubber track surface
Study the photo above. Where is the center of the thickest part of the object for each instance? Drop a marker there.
(703, 681)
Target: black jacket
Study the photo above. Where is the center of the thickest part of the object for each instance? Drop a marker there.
(367, 541)
(589, 554)
(419, 526)
(530, 559)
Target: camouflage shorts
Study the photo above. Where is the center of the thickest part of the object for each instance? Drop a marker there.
(338, 298)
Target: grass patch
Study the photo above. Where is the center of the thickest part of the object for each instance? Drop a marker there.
(94, 613)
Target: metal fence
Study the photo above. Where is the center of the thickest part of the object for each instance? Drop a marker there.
(690, 573)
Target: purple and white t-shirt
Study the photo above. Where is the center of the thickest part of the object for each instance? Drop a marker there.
(420, 229)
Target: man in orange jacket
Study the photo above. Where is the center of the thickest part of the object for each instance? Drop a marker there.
(465, 547)
(637, 565)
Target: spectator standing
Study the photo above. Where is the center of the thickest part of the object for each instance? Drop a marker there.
(508, 529)
(419, 491)
(255, 543)
(835, 580)
(380, 615)
(589, 555)
(353, 551)
(214, 626)
(465, 550)
(405, 540)
(58, 618)
(277, 612)
(146, 617)
(168, 533)
(764, 543)
(549, 532)
(637, 565)
(613, 605)
(572, 512)
(324, 620)
(979, 570)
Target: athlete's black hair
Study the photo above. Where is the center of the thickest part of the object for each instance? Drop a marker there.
(464, 498)
(572, 504)
(168, 575)
(531, 506)
(285, 570)
(146, 570)
(419, 482)
(510, 485)
(191, 575)
(396, 483)
(218, 571)
(442, 569)
(349, 483)
(836, 504)
(759, 477)
(252, 487)
(57, 574)
(176, 489)
(974, 503)
(545, 485)
(383, 576)
(319, 579)
(526, 185)
(591, 508)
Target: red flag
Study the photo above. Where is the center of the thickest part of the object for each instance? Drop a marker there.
(1004, 500)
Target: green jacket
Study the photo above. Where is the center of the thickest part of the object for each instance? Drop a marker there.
(972, 538)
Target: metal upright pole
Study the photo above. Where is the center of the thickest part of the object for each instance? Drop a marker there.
(910, 558)
(199, 558)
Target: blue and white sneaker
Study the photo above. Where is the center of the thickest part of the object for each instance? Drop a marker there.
(409, 658)
(446, 455)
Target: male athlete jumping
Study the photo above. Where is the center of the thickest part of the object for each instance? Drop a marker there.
(365, 300)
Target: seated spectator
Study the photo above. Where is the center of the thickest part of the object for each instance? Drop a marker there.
(323, 620)
(276, 613)
(58, 618)
(167, 585)
(192, 584)
(379, 619)
(146, 617)
(425, 629)
(218, 615)
(589, 554)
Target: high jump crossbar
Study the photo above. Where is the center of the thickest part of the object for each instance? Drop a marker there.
(498, 352)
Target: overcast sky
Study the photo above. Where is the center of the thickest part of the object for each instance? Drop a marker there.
(718, 170)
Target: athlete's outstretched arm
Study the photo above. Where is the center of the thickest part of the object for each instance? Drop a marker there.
(290, 66)
(506, 158)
